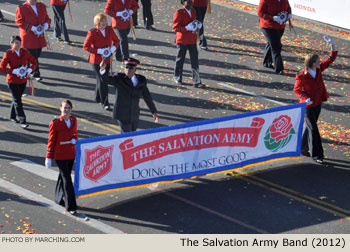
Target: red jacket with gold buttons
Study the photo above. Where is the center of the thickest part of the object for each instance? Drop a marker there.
(308, 87)
(180, 20)
(59, 132)
(95, 40)
(12, 60)
(113, 6)
(269, 8)
(25, 19)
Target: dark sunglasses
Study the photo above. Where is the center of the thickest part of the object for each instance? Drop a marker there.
(129, 67)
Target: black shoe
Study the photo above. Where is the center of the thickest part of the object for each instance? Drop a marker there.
(269, 65)
(15, 120)
(305, 153)
(108, 108)
(24, 125)
(319, 160)
(73, 212)
(59, 39)
(178, 82)
(203, 47)
(67, 42)
(199, 85)
(281, 72)
(151, 28)
(37, 77)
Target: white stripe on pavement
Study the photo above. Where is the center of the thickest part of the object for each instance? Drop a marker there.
(252, 94)
(37, 169)
(10, 13)
(49, 174)
(52, 205)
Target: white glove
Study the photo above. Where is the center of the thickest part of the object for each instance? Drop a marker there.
(125, 15)
(100, 50)
(29, 70)
(46, 26)
(112, 49)
(131, 12)
(308, 101)
(189, 27)
(290, 16)
(16, 71)
(119, 14)
(48, 162)
(73, 141)
(199, 25)
(328, 40)
(277, 19)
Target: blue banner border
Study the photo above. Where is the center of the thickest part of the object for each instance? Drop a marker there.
(192, 174)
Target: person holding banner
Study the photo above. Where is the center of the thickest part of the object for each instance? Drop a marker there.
(186, 27)
(58, 7)
(121, 12)
(33, 22)
(273, 16)
(201, 9)
(130, 87)
(101, 42)
(63, 135)
(17, 59)
(310, 88)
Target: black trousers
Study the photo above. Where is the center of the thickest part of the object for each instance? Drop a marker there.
(64, 194)
(127, 126)
(311, 139)
(180, 60)
(36, 54)
(123, 48)
(16, 108)
(273, 48)
(200, 15)
(147, 13)
(60, 22)
(101, 90)
(134, 16)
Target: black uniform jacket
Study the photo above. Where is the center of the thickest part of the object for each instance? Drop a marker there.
(127, 97)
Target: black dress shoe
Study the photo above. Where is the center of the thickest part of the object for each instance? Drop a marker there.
(320, 160)
(178, 82)
(281, 72)
(151, 28)
(24, 125)
(269, 65)
(305, 153)
(108, 108)
(15, 120)
(67, 42)
(199, 85)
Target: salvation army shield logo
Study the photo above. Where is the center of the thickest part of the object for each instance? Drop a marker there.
(279, 133)
(98, 162)
(106, 53)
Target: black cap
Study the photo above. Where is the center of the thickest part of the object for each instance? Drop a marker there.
(15, 37)
(131, 62)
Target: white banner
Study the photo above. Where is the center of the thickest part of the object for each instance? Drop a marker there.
(187, 150)
(334, 12)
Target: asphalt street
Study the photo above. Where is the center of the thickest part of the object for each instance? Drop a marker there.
(289, 196)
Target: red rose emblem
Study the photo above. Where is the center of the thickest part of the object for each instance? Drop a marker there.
(280, 127)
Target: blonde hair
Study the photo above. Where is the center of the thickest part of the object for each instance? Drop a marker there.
(310, 60)
(98, 18)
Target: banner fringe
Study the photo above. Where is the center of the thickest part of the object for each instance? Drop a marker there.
(178, 180)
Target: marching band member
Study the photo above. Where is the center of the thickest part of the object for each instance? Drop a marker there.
(273, 16)
(101, 42)
(201, 9)
(33, 21)
(147, 15)
(309, 87)
(58, 7)
(63, 134)
(121, 11)
(130, 87)
(186, 27)
(17, 59)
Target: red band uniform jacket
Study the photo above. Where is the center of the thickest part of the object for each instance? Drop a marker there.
(269, 8)
(59, 132)
(180, 20)
(200, 3)
(14, 61)
(95, 40)
(114, 6)
(57, 2)
(308, 87)
(25, 19)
